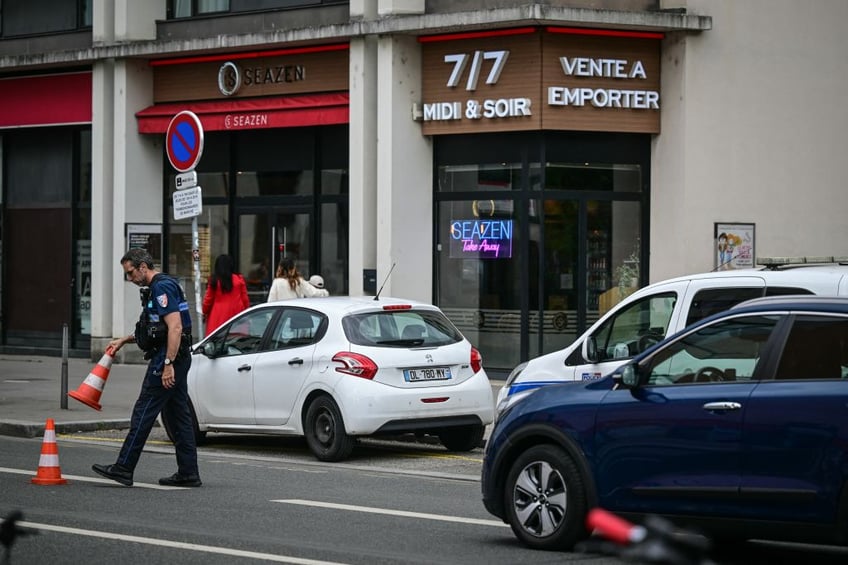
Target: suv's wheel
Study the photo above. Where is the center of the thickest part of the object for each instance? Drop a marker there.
(325, 431)
(462, 438)
(170, 427)
(545, 499)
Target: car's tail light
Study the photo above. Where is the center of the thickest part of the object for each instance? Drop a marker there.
(398, 307)
(476, 360)
(355, 364)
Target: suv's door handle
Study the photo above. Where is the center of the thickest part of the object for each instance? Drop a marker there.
(722, 406)
(296, 361)
(244, 368)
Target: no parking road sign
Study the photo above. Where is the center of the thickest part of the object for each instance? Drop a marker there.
(184, 141)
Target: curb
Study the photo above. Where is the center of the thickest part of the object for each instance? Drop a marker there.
(18, 428)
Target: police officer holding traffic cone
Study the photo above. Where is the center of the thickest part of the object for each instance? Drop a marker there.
(163, 332)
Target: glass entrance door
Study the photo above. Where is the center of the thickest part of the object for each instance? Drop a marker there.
(265, 237)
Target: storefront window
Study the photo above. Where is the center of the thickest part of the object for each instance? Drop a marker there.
(593, 176)
(529, 255)
(334, 182)
(82, 236)
(261, 202)
(473, 178)
(480, 269)
(335, 226)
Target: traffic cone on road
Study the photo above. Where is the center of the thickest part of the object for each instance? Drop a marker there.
(92, 387)
(49, 472)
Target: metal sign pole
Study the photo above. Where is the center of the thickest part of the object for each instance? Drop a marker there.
(195, 254)
(184, 146)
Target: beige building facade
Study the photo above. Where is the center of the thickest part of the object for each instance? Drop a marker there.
(594, 146)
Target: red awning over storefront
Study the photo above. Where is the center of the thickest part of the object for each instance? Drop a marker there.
(252, 113)
(45, 100)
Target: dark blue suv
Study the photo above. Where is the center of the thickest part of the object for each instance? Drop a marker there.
(737, 425)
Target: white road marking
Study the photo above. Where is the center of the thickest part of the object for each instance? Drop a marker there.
(178, 544)
(83, 479)
(389, 512)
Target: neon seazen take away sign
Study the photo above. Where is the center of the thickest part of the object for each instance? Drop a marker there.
(481, 239)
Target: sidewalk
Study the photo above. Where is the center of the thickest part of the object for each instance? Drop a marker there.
(31, 392)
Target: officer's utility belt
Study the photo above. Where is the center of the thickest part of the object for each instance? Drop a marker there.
(186, 340)
(153, 335)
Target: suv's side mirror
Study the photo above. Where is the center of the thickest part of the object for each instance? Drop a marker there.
(590, 349)
(628, 375)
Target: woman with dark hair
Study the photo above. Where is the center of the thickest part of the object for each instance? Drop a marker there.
(289, 283)
(226, 294)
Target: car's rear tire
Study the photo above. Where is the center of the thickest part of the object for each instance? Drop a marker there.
(199, 437)
(545, 499)
(325, 431)
(462, 438)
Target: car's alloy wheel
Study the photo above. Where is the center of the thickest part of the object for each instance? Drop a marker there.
(545, 499)
(462, 438)
(325, 431)
(199, 437)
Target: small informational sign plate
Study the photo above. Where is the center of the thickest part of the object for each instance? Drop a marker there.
(184, 141)
(186, 180)
(188, 203)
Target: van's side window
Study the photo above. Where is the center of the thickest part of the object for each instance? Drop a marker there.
(636, 327)
(714, 300)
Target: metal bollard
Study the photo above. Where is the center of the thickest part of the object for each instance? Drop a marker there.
(63, 400)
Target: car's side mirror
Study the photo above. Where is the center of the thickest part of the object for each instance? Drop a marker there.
(629, 375)
(590, 349)
(208, 349)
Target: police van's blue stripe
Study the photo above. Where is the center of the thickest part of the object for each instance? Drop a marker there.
(529, 385)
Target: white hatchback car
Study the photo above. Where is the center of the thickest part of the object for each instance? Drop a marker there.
(332, 369)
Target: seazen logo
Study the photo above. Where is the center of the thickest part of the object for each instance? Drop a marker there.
(229, 79)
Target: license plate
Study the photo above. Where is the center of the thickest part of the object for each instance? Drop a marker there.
(427, 374)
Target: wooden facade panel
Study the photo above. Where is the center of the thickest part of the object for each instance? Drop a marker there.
(645, 52)
(519, 79)
(592, 98)
(269, 76)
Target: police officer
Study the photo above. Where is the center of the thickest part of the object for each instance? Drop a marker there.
(164, 330)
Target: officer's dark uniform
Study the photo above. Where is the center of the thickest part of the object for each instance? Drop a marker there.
(165, 297)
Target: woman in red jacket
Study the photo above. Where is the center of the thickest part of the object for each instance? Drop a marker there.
(226, 294)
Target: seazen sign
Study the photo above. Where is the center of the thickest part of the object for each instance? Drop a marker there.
(480, 238)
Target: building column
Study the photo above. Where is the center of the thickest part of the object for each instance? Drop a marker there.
(126, 167)
(404, 175)
(135, 189)
(102, 196)
(362, 169)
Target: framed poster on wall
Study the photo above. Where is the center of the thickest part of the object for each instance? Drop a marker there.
(733, 245)
(146, 236)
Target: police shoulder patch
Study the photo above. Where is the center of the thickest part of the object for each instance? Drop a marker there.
(162, 299)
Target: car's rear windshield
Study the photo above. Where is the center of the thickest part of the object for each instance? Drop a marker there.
(400, 328)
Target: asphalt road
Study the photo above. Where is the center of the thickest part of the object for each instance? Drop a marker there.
(267, 500)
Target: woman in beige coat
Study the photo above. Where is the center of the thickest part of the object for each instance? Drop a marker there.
(288, 283)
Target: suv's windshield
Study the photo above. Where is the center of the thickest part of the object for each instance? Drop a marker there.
(400, 328)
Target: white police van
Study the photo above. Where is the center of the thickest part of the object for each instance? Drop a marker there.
(663, 308)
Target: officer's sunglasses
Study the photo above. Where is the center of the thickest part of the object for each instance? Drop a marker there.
(128, 275)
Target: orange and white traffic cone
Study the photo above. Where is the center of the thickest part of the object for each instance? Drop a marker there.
(92, 387)
(49, 472)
